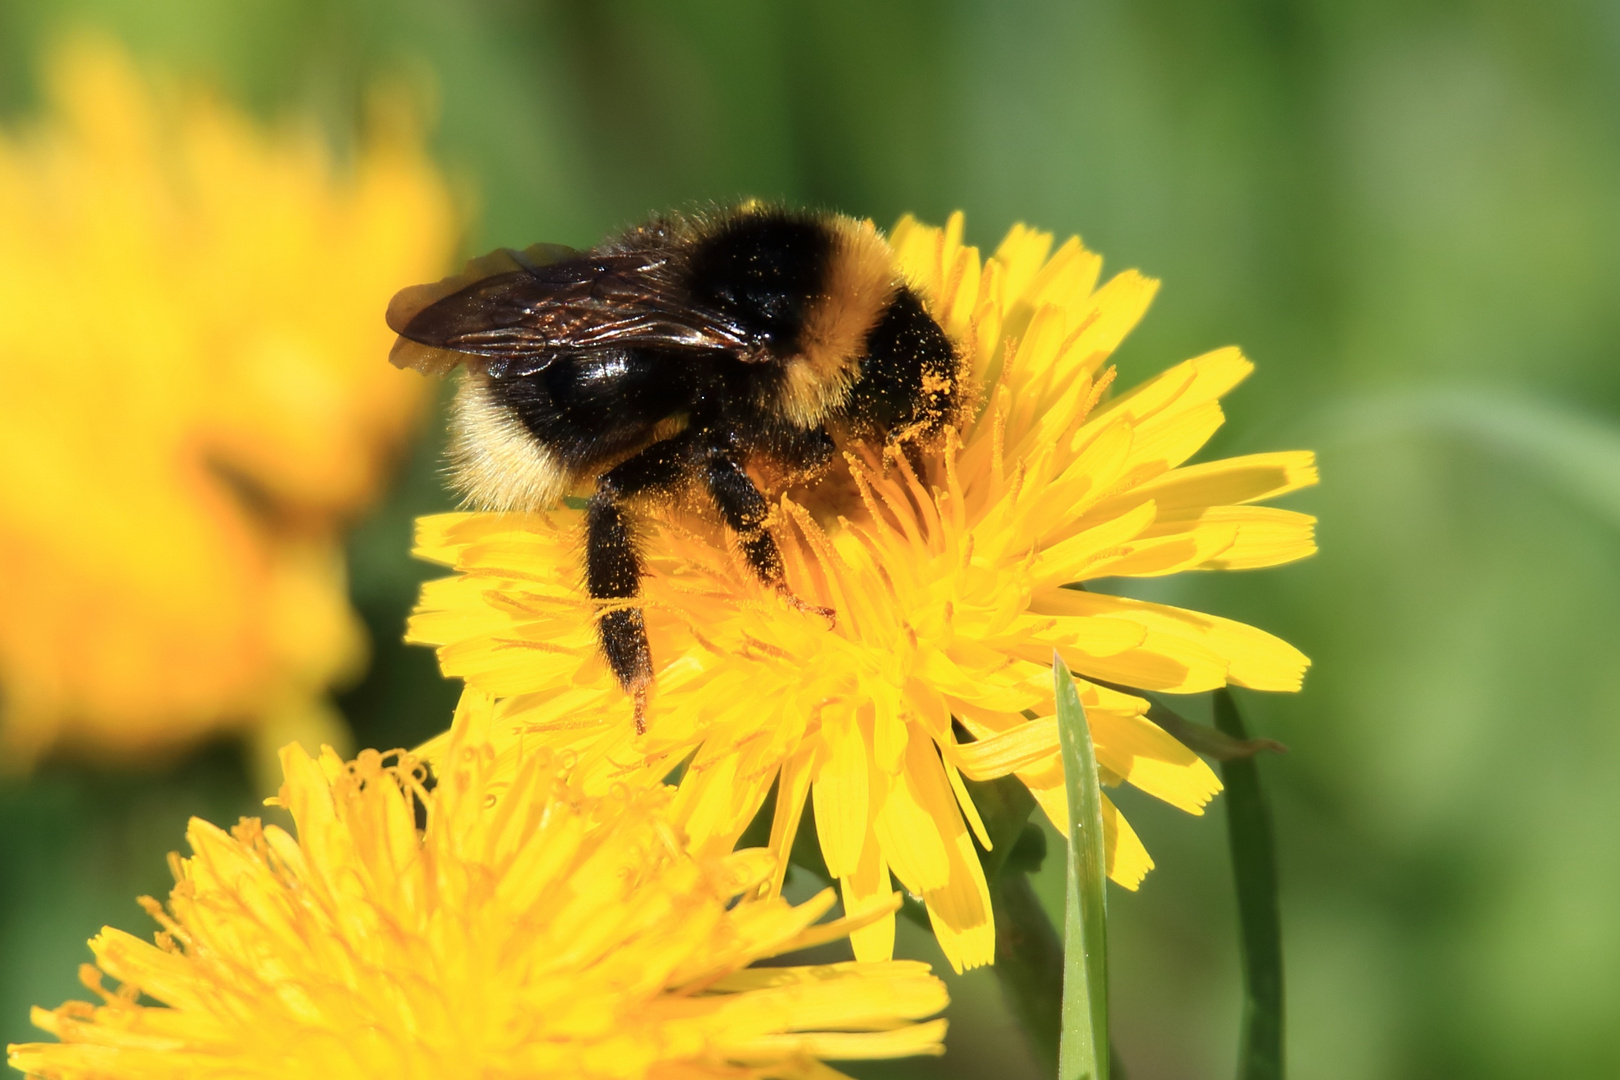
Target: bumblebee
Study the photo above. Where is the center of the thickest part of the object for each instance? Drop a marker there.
(664, 364)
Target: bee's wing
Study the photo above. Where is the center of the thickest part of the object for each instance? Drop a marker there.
(529, 306)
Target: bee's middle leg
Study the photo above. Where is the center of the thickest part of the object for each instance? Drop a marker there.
(745, 511)
(613, 560)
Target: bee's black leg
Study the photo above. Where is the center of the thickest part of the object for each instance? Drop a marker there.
(745, 511)
(613, 566)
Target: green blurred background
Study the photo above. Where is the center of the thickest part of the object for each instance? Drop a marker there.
(1407, 213)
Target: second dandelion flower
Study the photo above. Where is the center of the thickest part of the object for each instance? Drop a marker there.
(526, 931)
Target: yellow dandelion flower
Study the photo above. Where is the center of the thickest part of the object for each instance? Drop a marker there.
(526, 932)
(954, 572)
(191, 404)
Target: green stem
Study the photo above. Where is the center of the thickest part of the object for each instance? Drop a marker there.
(1029, 965)
(1254, 869)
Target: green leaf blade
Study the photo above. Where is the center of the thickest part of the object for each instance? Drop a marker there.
(1083, 1049)
(1254, 870)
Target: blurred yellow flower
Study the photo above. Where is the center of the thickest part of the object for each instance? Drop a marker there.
(527, 932)
(954, 573)
(193, 401)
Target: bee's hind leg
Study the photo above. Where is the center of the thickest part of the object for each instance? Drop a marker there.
(745, 510)
(613, 563)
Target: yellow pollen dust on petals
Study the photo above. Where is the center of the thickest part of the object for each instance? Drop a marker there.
(192, 405)
(956, 568)
(528, 930)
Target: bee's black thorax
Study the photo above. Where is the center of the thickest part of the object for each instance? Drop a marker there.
(767, 270)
